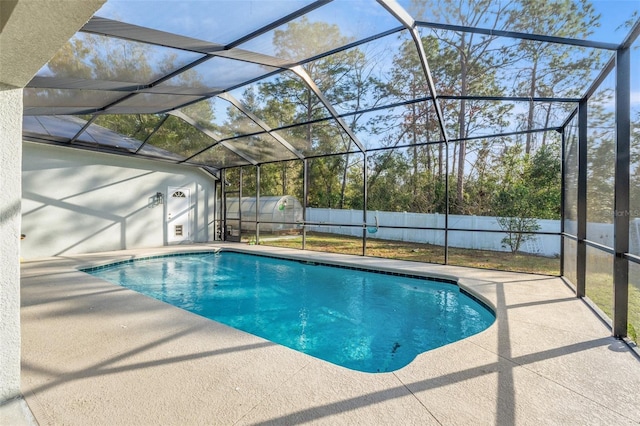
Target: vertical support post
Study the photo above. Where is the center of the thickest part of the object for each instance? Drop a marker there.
(258, 204)
(446, 204)
(581, 252)
(621, 196)
(223, 202)
(305, 201)
(364, 202)
(240, 205)
(217, 191)
(563, 170)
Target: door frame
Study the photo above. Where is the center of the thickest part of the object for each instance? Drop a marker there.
(171, 190)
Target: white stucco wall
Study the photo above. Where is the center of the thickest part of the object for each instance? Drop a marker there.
(77, 201)
(31, 31)
(10, 135)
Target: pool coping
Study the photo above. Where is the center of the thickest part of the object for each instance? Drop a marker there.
(546, 360)
(449, 279)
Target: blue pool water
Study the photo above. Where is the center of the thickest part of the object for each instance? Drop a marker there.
(361, 320)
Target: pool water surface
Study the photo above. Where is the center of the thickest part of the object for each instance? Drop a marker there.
(365, 321)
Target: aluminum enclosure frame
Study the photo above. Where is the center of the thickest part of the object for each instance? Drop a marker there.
(619, 62)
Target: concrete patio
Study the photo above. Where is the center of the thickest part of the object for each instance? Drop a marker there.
(94, 353)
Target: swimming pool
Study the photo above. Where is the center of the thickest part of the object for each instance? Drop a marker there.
(366, 321)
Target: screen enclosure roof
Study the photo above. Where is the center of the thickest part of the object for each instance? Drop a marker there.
(218, 84)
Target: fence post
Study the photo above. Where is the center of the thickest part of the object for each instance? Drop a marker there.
(404, 223)
(356, 232)
(474, 226)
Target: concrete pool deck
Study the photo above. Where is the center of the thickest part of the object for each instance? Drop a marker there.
(94, 353)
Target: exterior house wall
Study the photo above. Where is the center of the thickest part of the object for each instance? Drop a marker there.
(76, 201)
(10, 134)
(31, 31)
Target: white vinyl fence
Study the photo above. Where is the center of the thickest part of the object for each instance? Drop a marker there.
(545, 245)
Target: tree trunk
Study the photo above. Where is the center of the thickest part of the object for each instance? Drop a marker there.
(414, 140)
(284, 179)
(343, 189)
(428, 147)
(343, 186)
(532, 93)
(546, 124)
(462, 127)
(440, 162)
(309, 117)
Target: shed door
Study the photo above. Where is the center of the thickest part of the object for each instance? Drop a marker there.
(178, 224)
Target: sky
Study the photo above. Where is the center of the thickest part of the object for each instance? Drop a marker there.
(223, 21)
(229, 19)
(613, 14)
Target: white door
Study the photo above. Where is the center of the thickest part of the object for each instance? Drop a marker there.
(178, 209)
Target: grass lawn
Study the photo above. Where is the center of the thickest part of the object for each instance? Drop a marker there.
(599, 289)
(423, 253)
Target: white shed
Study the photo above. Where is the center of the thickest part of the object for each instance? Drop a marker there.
(285, 208)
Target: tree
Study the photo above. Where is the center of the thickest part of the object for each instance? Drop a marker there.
(289, 97)
(362, 90)
(515, 220)
(417, 125)
(475, 69)
(282, 178)
(635, 170)
(101, 58)
(388, 181)
(528, 190)
(551, 69)
(601, 152)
